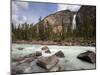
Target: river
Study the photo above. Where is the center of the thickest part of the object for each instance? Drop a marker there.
(71, 52)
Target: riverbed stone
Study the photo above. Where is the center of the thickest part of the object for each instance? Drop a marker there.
(46, 49)
(58, 67)
(60, 54)
(18, 59)
(88, 56)
(20, 48)
(47, 62)
(38, 53)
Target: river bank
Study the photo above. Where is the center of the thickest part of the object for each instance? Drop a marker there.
(56, 42)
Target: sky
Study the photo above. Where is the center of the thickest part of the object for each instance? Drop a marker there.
(30, 12)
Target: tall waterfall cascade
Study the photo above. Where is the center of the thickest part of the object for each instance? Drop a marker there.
(74, 22)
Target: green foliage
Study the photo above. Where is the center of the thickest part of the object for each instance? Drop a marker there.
(44, 31)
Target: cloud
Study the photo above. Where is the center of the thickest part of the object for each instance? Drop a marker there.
(18, 19)
(70, 7)
(24, 5)
(17, 8)
(14, 8)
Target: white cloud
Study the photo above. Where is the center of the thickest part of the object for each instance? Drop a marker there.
(70, 7)
(14, 8)
(16, 20)
(22, 4)
(17, 7)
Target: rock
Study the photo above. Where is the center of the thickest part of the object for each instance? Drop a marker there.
(33, 55)
(34, 68)
(55, 68)
(27, 60)
(30, 55)
(88, 56)
(38, 53)
(20, 48)
(18, 59)
(21, 68)
(60, 54)
(47, 62)
(93, 44)
(15, 70)
(46, 49)
(58, 67)
(61, 68)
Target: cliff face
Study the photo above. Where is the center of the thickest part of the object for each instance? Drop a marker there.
(86, 21)
(58, 19)
(58, 26)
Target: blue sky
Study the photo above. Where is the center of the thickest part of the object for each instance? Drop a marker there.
(31, 11)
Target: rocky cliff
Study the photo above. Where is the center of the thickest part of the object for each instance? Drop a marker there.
(58, 19)
(86, 21)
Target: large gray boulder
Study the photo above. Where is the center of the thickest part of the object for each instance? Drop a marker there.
(47, 62)
(88, 56)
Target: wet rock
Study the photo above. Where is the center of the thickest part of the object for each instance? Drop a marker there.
(88, 56)
(21, 68)
(61, 68)
(13, 70)
(20, 48)
(38, 53)
(30, 55)
(18, 59)
(27, 60)
(46, 49)
(93, 44)
(16, 70)
(60, 54)
(33, 55)
(34, 68)
(47, 62)
(58, 67)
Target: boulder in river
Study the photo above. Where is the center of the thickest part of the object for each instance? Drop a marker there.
(27, 60)
(46, 49)
(88, 56)
(60, 54)
(18, 59)
(47, 62)
(38, 53)
(20, 48)
(34, 55)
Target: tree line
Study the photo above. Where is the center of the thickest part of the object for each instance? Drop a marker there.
(43, 32)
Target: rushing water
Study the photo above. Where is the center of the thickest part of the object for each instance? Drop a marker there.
(70, 61)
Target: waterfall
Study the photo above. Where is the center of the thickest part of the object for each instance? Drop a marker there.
(74, 22)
